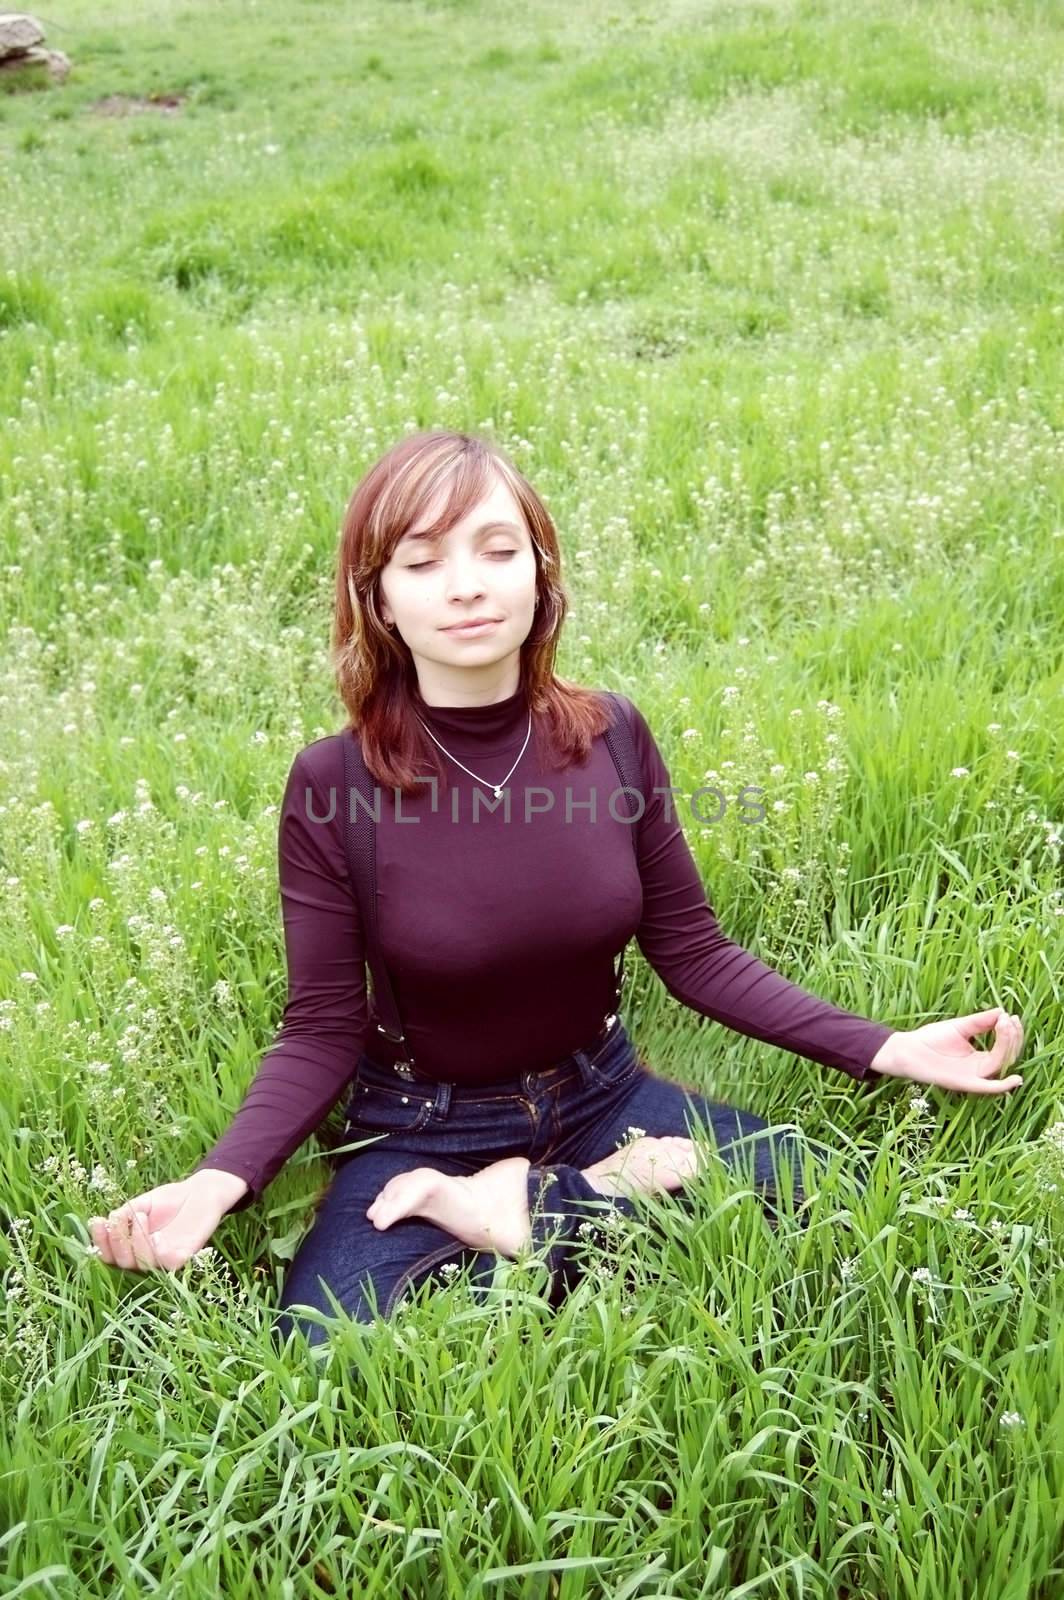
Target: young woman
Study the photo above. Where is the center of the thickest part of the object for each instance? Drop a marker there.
(507, 885)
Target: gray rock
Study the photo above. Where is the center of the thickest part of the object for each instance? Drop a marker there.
(18, 34)
(57, 63)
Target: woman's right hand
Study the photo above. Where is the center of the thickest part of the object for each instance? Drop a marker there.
(165, 1227)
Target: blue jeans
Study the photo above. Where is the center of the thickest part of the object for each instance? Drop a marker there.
(562, 1118)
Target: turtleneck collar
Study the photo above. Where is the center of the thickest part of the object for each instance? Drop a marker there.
(490, 727)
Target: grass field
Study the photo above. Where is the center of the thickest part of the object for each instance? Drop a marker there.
(768, 302)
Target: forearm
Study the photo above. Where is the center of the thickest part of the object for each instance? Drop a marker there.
(885, 1055)
(226, 1187)
(325, 1020)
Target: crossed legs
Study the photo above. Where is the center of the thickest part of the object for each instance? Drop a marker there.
(489, 1209)
(346, 1261)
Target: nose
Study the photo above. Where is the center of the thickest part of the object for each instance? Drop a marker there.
(465, 581)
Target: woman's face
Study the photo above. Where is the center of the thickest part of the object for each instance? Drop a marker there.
(483, 568)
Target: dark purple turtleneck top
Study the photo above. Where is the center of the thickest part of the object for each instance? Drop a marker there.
(500, 936)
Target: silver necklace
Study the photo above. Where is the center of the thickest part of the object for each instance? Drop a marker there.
(497, 788)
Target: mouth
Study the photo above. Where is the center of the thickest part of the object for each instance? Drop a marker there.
(462, 629)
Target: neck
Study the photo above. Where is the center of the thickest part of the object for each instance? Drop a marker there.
(499, 724)
(444, 688)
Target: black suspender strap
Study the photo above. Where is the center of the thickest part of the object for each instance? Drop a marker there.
(361, 796)
(360, 841)
(621, 746)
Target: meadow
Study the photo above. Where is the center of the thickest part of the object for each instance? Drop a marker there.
(767, 300)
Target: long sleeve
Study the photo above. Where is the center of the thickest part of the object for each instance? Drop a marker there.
(681, 938)
(325, 1021)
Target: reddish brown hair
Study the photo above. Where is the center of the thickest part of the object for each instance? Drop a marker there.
(374, 669)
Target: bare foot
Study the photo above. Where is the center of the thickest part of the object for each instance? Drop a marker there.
(645, 1165)
(488, 1210)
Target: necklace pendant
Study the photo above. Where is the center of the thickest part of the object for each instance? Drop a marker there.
(498, 790)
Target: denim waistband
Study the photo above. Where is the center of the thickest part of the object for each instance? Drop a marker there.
(583, 1056)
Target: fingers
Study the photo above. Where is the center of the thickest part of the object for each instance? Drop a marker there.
(1018, 1024)
(1008, 1034)
(118, 1230)
(982, 1021)
(993, 1085)
(1009, 1041)
(143, 1248)
(123, 1239)
(101, 1239)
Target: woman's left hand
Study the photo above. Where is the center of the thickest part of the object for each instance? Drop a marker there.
(940, 1053)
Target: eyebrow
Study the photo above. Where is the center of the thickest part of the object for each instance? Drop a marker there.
(482, 532)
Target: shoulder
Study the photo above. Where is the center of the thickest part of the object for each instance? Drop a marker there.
(625, 714)
(621, 706)
(321, 763)
(647, 750)
(614, 704)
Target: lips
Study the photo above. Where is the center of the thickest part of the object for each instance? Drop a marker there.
(473, 622)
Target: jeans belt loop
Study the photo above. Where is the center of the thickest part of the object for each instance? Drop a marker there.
(403, 1070)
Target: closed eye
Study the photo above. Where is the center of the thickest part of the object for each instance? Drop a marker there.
(417, 566)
